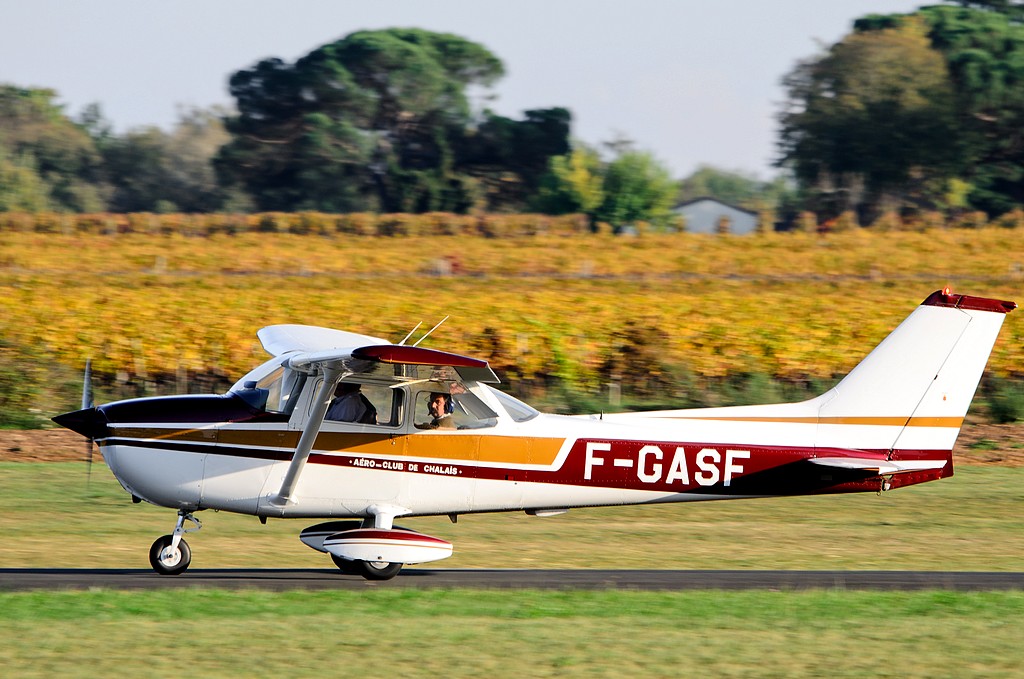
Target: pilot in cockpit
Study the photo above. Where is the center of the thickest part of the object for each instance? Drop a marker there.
(440, 407)
(350, 405)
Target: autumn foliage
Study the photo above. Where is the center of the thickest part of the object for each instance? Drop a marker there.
(172, 299)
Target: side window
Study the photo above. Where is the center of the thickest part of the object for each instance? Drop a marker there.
(387, 402)
(458, 410)
(371, 404)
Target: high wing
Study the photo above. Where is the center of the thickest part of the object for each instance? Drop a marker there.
(278, 340)
(310, 349)
(337, 354)
(364, 359)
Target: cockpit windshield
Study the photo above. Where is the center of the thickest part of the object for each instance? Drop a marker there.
(516, 409)
(270, 387)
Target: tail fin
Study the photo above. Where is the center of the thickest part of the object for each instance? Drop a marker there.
(908, 397)
(921, 378)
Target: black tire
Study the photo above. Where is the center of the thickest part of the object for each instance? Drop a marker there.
(346, 566)
(378, 570)
(172, 566)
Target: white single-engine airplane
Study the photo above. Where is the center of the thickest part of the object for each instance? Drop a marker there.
(439, 440)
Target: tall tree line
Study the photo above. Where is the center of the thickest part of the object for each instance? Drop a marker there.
(915, 111)
(912, 112)
(376, 121)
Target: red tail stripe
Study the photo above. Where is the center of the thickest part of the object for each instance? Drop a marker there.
(944, 298)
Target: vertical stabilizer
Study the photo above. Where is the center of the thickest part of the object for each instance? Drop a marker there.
(913, 390)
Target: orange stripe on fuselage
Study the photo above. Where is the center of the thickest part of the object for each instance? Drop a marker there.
(456, 447)
(461, 447)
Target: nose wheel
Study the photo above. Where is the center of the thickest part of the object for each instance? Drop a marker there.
(170, 554)
(167, 559)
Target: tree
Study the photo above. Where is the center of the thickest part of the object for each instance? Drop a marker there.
(985, 53)
(1010, 8)
(156, 171)
(510, 157)
(574, 183)
(21, 187)
(737, 188)
(637, 188)
(378, 120)
(134, 165)
(871, 123)
(983, 46)
(36, 138)
(192, 145)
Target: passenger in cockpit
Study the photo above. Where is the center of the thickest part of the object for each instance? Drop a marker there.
(351, 405)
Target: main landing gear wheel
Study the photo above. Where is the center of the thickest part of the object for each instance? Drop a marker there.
(378, 570)
(371, 570)
(346, 566)
(166, 561)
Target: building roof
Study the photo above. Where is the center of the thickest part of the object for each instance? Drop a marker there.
(720, 202)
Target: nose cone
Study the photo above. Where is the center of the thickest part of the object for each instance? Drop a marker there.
(89, 422)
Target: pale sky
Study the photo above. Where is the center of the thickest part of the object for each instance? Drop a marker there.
(693, 82)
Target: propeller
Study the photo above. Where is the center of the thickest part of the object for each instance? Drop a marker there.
(87, 402)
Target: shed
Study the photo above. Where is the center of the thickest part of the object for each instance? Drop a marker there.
(703, 215)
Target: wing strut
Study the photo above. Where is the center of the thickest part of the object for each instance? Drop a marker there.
(309, 433)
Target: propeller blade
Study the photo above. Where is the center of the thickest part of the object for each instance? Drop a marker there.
(87, 385)
(87, 402)
(88, 464)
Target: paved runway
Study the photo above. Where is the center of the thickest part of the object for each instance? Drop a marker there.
(282, 579)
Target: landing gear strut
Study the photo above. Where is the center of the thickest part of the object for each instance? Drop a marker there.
(170, 554)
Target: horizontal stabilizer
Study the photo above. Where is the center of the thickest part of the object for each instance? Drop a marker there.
(869, 464)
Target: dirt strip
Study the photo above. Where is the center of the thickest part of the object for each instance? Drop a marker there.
(979, 444)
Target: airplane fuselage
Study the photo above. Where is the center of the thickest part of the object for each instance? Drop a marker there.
(548, 462)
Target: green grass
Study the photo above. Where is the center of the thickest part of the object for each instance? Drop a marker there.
(973, 521)
(459, 633)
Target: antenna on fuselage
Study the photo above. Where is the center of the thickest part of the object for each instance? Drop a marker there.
(431, 330)
(404, 339)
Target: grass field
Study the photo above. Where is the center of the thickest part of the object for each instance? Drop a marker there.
(210, 633)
